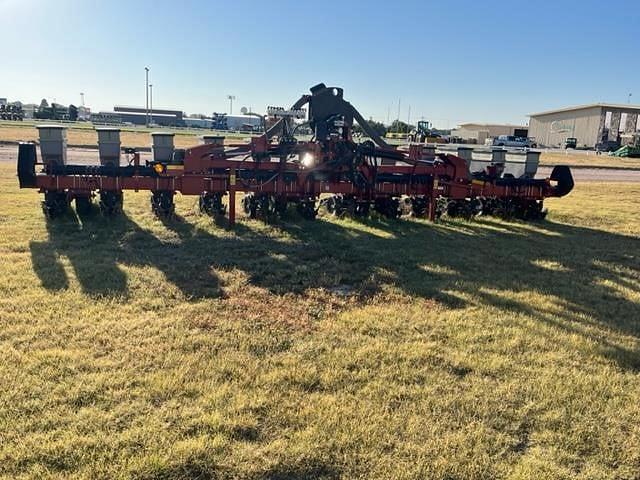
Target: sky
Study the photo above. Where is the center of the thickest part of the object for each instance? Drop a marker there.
(448, 61)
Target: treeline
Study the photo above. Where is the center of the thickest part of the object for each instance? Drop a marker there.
(398, 126)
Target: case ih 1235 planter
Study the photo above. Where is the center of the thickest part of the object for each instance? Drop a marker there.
(277, 169)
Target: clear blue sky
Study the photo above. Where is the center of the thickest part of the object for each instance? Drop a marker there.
(491, 61)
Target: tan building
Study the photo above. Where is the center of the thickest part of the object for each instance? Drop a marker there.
(479, 132)
(592, 125)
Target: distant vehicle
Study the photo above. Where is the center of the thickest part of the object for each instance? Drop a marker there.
(571, 142)
(513, 141)
(608, 145)
(424, 133)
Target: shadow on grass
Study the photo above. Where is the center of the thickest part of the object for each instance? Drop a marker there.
(589, 274)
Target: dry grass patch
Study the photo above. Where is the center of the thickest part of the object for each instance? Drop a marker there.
(136, 137)
(588, 160)
(134, 348)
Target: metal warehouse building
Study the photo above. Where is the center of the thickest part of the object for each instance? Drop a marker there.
(158, 116)
(594, 125)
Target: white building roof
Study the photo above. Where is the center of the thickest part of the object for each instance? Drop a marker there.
(617, 106)
(474, 124)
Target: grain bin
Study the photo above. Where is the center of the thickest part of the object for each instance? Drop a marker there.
(515, 164)
(428, 152)
(162, 146)
(498, 155)
(466, 153)
(212, 139)
(109, 145)
(531, 163)
(53, 144)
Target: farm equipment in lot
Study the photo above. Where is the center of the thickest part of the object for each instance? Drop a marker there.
(276, 170)
(423, 133)
(631, 148)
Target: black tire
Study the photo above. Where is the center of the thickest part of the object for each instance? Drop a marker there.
(55, 203)
(307, 209)
(388, 207)
(362, 208)
(419, 206)
(280, 206)
(261, 207)
(333, 205)
(162, 203)
(249, 205)
(211, 204)
(83, 205)
(110, 203)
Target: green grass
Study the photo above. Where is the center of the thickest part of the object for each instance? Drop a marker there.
(134, 348)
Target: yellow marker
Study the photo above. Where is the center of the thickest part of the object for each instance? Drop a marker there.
(232, 179)
(477, 182)
(175, 167)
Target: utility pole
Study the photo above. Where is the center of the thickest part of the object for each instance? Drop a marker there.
(82, 99)
(398, 123)
(409, 118)
(231, 98)
(146, 117)
(388, 115)
(150, 103)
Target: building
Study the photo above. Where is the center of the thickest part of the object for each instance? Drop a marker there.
(198, 122)
(29, 110)
(105, 117)
(479, 132)
(138, 116)
(247, 123)
(597, 125)
(84, 113)
(159, 116)
(243, 122)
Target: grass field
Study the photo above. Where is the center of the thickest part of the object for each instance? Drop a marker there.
(86, 136)
(83, 134)
(135, 348)
(588, 160)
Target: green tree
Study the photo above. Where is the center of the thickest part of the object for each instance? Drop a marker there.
(398, 126)
(377, 127)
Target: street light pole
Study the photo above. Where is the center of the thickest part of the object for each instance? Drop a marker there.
(146, 117)
(150, 103)
(231, 99)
